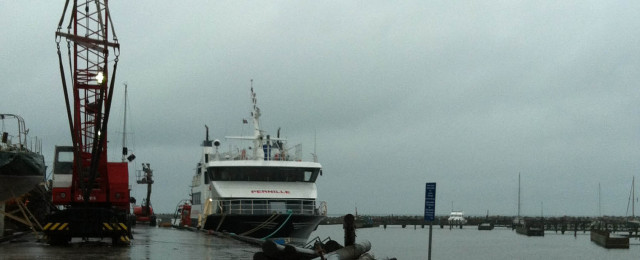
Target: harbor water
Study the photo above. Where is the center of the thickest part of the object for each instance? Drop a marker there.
(473, 244)
(394, 241)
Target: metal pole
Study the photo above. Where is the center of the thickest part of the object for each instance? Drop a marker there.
(124, 127)
(430, 235)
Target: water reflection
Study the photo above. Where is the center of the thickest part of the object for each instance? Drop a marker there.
(148, 243)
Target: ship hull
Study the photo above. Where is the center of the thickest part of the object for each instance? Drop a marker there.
(531, 232)
(485, 226)
(20, 172)
(604, 239)
(294, 228)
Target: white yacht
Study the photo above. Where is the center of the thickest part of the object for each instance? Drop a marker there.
(457, 218)
(264, 191)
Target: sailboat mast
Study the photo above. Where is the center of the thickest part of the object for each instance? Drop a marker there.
(633, 198)
(518, 195)
(599, 202)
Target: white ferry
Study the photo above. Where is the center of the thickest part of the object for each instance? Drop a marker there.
(264, 191)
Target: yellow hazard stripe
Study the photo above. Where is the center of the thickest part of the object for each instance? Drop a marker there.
(107, 226)
(55, 226)
(123, 226)
(63, 226)
(124, 239)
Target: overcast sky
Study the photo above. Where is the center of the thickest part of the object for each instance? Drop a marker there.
(466, 94)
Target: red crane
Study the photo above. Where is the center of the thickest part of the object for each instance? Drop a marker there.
(93, 194)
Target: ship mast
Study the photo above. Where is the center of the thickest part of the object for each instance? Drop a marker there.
(257, 135)
(261, 147)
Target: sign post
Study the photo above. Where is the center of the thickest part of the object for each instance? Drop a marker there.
(430, 208)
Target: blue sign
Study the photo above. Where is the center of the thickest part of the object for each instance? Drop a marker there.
(430, 202)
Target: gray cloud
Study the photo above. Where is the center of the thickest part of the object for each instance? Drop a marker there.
(465, 94)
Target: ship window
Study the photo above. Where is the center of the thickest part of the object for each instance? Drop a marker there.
(195, 198)
(64, 162)
(208, 176)
(65, 156)
(274, 174)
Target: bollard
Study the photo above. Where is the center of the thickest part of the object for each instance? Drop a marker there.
(349, 230)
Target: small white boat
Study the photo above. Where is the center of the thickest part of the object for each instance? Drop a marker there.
(457, 218)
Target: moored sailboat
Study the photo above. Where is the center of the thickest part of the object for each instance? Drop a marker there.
(21, 165)
(527, 226)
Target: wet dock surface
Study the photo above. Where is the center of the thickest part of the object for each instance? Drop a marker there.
(148, 243)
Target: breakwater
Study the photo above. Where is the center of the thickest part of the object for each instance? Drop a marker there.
(558, 224)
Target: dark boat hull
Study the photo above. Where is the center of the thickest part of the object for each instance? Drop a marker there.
(485, 226)
(604, 239)
(295, 228)
(531, 232)
(20, 172)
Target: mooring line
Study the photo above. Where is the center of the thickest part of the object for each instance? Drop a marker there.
(283, 223)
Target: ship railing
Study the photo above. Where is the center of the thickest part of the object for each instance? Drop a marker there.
(269, 206)
(271, 153)
(7, 141)
(280, 156)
